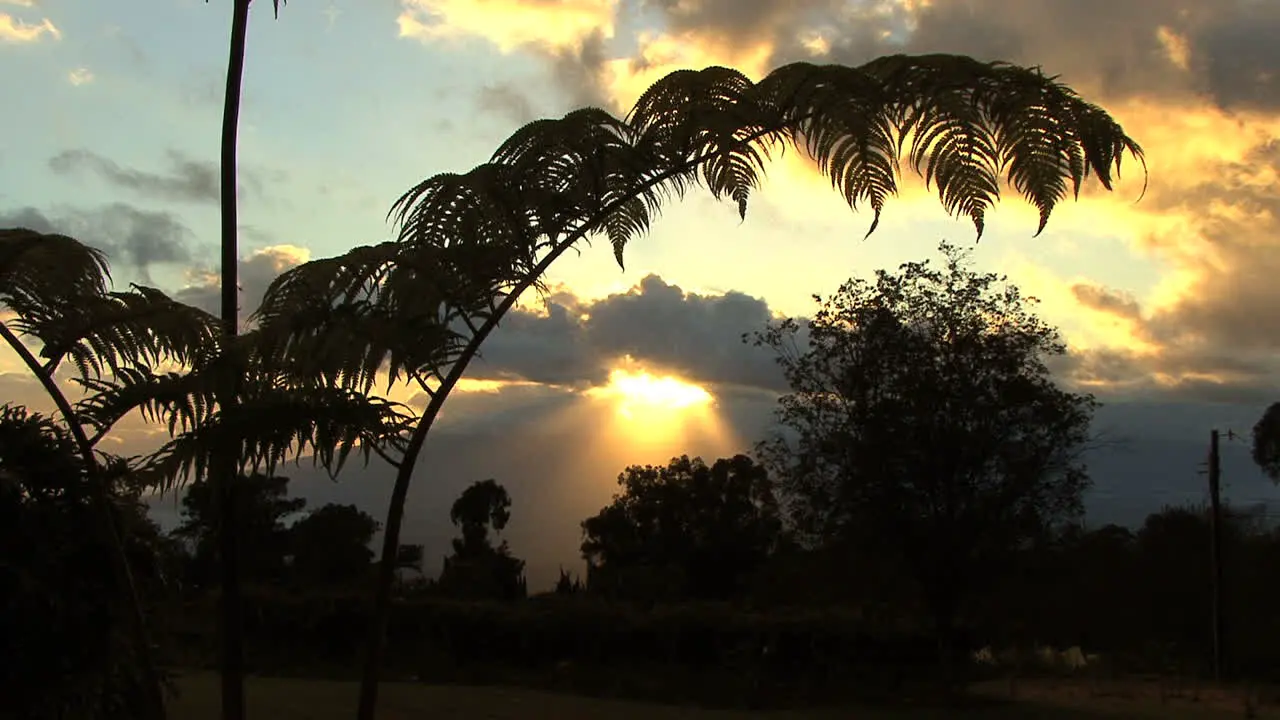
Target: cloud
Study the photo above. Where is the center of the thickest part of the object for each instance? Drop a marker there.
(80, 76)
(508, 24)
(187, 179)
(1115, 302)
(138, 239)
(255, 274)
(507, 101)
(13, 30)
(655, 324)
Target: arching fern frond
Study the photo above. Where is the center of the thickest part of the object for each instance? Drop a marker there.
(842, 118)
(57, 288)
(401, 309)
(38, 271)
(179, 401)
(969, 121)
(121, 329)
(272, 424)
(714, 116)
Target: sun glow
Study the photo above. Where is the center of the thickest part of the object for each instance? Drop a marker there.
(643, 397)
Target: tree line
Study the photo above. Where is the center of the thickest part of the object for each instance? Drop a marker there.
(925, 474)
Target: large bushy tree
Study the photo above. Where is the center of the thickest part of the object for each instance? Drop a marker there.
(924, 425)
(67, 649)
(262, 508)
(330, 546)
(706, 528)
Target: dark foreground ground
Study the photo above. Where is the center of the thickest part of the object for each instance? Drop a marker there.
(304, 699)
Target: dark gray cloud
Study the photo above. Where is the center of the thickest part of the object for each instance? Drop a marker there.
(138, 239)
(1116, 302)
(657, 324)
(1241, 55)
(185, 179)
(255, 274)
(1109, 48)
(578, 72)
(506, 101)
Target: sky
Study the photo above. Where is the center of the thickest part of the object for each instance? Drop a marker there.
(111, 134)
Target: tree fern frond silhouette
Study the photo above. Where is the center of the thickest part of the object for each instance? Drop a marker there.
(493, 232)
(55, 288)
(36, 269)
(271, 425)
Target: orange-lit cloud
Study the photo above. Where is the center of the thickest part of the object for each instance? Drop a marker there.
(14, 30)
(509, 24)
(625, 79)
(80, 76)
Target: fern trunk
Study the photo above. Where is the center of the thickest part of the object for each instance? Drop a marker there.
(110, 529)
(224, 465)
(367, 709)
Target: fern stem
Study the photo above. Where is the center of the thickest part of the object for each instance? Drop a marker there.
(102, 499)
(225, 465)
(367, 708)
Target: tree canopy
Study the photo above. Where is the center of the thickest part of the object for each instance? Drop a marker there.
(66, 646)
(330, 545)
(923, 424)
(706, 528)
(262, 506)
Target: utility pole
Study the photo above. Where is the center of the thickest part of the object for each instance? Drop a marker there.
(1215, 551)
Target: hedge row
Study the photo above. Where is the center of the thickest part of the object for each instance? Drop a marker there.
(284, 631)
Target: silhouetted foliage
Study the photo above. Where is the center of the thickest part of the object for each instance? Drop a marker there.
(330, 545)
(924, 426)
(477, 569)
(410, 557)
(1266, 442)
(684, 530)
(568, 584)
(262, 504)
(66, 652)
(483, 506)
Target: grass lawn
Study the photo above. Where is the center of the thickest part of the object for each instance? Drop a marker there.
(295, 699)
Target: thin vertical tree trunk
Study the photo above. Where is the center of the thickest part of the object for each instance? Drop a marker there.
(225, 463)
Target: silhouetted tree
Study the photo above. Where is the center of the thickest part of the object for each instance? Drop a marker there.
(484, 505)
(66, 651)
(1266, 442)
(477, 569)
(567, 584)
(705, 528)
(410, 557)
(330, 545)
(262, 504)
(923, 425)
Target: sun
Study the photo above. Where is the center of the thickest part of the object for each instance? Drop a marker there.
(642, 396)
(645, 415)
(640, 392)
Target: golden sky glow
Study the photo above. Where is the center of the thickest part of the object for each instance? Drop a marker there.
(648, 409)
(645, 398)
